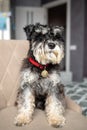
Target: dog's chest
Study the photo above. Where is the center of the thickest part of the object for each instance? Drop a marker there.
(38, 83)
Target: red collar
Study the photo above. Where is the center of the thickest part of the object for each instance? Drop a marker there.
(35, 63)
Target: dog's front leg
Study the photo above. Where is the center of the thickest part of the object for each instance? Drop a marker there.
(26, 104)
(54, 111)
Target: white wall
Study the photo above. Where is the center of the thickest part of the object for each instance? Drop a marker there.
(28, 15)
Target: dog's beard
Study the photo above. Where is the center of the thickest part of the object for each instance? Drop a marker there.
(44, 55)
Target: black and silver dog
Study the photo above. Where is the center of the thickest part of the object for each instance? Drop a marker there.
(40, 81)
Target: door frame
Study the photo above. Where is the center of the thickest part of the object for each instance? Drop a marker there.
(68, 21)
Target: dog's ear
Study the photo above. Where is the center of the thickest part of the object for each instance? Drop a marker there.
(29, 31)
(58, 30)
(61, 30)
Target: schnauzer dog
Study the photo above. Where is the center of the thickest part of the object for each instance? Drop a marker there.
(40, 84)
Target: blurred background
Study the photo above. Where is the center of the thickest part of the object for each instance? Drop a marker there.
(72, 14)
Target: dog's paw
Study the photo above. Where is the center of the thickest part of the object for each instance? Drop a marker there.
(22, 119)
(57, 121)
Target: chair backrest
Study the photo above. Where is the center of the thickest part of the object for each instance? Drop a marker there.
(12, 52)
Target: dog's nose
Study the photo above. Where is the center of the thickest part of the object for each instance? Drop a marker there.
(51, 45)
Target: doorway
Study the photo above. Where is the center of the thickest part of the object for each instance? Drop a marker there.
(57, 17)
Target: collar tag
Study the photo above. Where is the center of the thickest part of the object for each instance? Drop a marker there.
(44, 73)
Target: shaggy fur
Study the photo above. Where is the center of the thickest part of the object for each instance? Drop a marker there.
(46, 48)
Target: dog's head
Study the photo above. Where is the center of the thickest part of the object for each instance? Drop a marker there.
(46, 43)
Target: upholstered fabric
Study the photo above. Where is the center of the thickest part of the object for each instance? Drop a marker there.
(11, 56)
(75, 121)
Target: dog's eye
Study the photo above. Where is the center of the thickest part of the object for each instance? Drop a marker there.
(39, 38)
(59, 37)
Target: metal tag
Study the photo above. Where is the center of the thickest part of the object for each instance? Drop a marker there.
(44, 73)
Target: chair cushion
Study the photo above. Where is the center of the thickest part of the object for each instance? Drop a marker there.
(75, 121)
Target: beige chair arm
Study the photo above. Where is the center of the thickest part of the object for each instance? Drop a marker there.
(73, 105)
